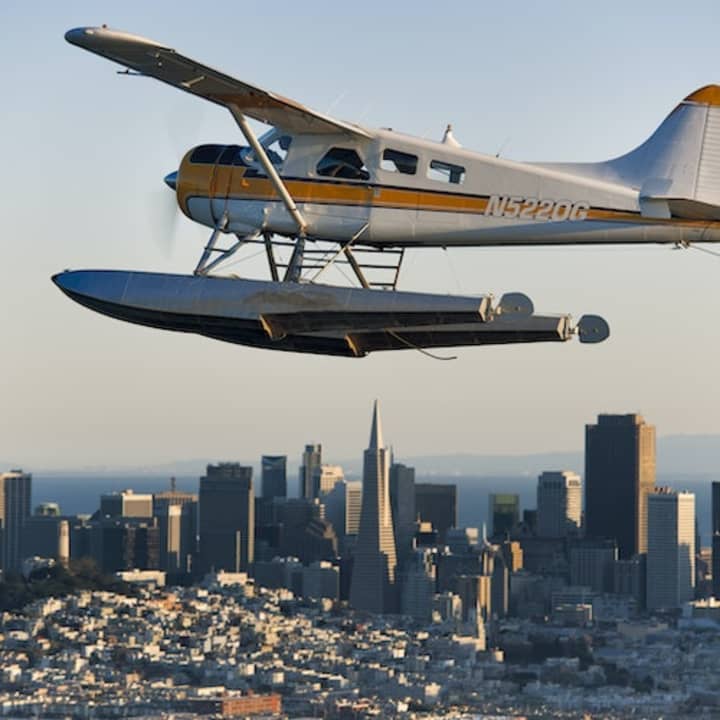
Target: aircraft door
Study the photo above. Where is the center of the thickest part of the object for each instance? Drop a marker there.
(220, 185)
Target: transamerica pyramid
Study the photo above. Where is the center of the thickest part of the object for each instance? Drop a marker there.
(372, 588)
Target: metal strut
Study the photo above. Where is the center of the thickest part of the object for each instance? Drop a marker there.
(295, 266)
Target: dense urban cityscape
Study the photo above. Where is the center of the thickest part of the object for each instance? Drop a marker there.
(363, 598)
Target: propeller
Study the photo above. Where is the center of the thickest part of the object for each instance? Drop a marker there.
(183, 123)
(163, 212)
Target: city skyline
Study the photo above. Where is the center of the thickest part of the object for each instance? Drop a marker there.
(520, 543)
(121, 387)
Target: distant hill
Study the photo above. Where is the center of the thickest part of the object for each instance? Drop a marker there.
(676, 454)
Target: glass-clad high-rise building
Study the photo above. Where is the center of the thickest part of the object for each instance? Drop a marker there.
(274, 476)
(226, 518)
(619, 474)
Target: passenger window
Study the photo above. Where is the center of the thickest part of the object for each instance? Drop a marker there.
(396, 161)
(343, 163)
(446, 172)
(206, 154)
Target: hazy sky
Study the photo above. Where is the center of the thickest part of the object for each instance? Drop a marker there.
(84, 154)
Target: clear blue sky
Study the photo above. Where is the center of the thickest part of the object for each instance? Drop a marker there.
(85, 151)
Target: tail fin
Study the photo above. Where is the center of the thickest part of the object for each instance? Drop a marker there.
(677, 170)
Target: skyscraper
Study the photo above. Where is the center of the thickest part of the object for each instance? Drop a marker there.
(619, 474)
(176, 512)
(559, 504)
(15, 492)
(342, 507)
(125, 544)
(127, 504)
(437, 503)
(274, 476)
(227, 518)
(715, 507)
(503, 513)
(325, 478)
(311, 459)
(671, 549)
(418, 581)
(373, 579)
(715, 518)
(402, 501)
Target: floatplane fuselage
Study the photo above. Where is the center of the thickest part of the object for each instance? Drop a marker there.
(313, 179)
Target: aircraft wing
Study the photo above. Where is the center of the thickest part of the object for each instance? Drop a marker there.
(153, 59)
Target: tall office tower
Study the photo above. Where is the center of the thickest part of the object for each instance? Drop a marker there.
(325, 478)
(418, 585)
(402, 502)
(226, 518)
(437, 504)
(503, 513)
(342, 508)
(274, 476)
(493, 564)
(15, 492)
(715, 507)
(559, 504)
(671, 549)
(124, 544)
(311, 459)
(716, 538)
(126, 504)
(176, 512)
(619, 474)
(716, 565)
(373, 580)
(475, 595)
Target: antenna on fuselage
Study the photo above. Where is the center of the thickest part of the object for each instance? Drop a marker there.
(449, 138)
(502, 147)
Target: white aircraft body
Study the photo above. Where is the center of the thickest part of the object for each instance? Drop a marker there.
(313, 180)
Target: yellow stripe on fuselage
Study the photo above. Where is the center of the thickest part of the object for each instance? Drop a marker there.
(227, 182)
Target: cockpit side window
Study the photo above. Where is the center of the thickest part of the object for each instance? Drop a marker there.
(229, 155)
(206, 154)
(276, 148)
(343, 163)
(397, 161)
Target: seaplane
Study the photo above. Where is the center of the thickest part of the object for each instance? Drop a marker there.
(314, 192)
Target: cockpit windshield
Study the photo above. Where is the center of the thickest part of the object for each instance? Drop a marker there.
(276, 146)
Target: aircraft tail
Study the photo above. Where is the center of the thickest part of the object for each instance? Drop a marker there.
(677, 170)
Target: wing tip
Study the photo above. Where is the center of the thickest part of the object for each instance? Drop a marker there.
(92, 38)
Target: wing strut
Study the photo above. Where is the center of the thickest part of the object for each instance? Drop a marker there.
(269, 168)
